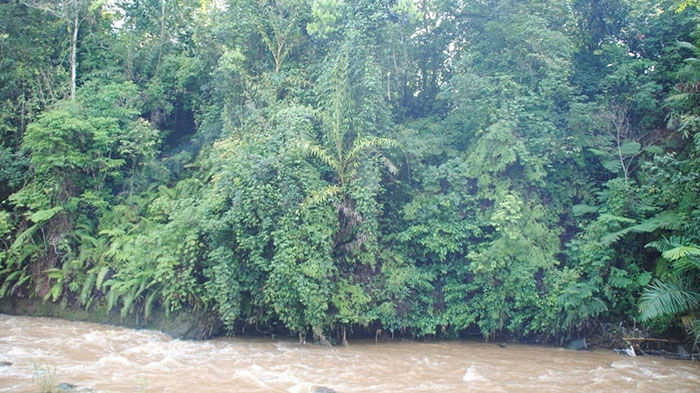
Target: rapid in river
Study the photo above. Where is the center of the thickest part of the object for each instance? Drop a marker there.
(102, 358)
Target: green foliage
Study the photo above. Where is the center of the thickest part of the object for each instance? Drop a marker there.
(678, 293)
(425, 168)
(661, 299)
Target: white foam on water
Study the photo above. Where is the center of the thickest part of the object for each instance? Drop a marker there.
(112, 360)
(649, 373)
(146, 348)
(166, 364)
(547, 376)
(22, 352)
(620, 364)
(473, 376)
(94, 337)
(303, 387)
(688, 375)
(12, 388)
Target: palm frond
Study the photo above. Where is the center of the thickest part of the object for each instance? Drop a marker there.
(388, 164)
(668, 298)
(679, 252)
(665, 244)
(362, 145)
(687, 45)
(320, 197)
(687, 264)
(316, 151)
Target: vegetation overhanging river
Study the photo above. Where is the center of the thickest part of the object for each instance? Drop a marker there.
(115, 359)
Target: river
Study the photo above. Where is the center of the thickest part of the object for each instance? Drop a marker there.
(102, 358)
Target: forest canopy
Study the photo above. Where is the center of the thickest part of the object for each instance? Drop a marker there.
(432, 167)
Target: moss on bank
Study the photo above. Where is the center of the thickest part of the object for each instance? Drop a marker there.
(181, 325)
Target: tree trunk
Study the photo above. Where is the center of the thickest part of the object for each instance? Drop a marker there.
(320, 338)
(73, 49)
(345, 340)
(162, 34)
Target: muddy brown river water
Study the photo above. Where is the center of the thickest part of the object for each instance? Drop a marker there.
(102, 358)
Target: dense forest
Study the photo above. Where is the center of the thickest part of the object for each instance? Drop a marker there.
(426, 167)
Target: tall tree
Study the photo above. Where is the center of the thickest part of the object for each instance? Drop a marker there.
(73, 13)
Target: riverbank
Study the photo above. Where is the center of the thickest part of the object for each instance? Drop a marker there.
(199, 326)
(181, 325)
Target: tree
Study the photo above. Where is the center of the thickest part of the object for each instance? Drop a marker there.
(278, 24)
(348, 148)
(73, 13)
(619, 146)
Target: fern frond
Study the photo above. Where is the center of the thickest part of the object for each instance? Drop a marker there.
(87, 288)
(687, 264)
(22, 238)
(101, 276)
(148, 305)
(44, 215)
(663, 220)
(615, 236)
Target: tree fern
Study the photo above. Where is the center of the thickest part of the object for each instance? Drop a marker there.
(663, 220)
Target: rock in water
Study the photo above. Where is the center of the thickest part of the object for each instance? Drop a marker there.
(323, 389)
(577, 345)
(502, 345)
(66, 387)
(5, 364)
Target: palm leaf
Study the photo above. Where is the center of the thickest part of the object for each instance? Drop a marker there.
(388, 164)
(314, 150)
(679, 252)
(668, 298)
(686, 45)
(364, 144)
(323, 196)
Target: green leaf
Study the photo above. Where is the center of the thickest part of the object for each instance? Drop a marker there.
(44, 215)
(55, 292)
(644, 279)
(87, 288)
(654, 149)
(681, 252)
(582, 209)
(101, 276)
(612, 165)
(668, 298)
(686, 45)
(663, 220)
(630, 148)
